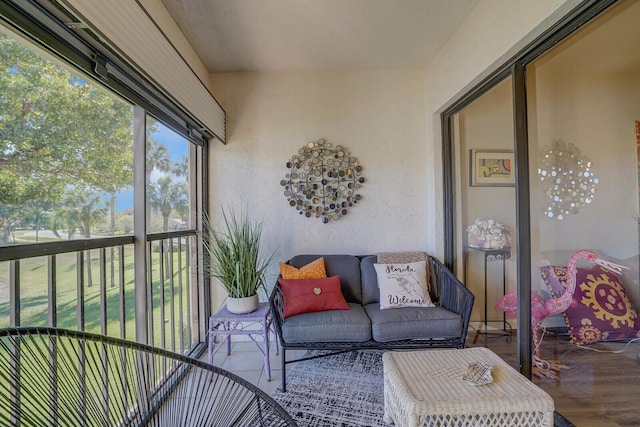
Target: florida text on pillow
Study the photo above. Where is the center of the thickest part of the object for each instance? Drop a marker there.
(403, 285)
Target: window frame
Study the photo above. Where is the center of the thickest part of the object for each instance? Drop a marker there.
(42, 24)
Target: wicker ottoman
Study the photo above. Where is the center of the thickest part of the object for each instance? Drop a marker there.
(425, 388)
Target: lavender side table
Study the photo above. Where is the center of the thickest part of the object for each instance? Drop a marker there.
(226, 324)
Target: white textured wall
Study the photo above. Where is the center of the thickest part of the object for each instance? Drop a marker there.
(492, 33)
(300, 107)
(377, 115)
(593, 105)
(388, 119)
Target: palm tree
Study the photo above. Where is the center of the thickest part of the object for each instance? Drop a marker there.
(81, 209)
(181, 168)
(165, 196)
(36, 214)
(65, 217)
(157, 159)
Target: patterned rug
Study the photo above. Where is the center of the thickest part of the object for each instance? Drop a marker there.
(342, 390)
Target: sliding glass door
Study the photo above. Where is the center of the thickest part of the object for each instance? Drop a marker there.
(583, 113)
(485, 201)
(568, 109)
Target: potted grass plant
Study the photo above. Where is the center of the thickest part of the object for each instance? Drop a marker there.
(233, 256)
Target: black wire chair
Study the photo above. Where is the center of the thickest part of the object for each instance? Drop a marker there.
(59, 377)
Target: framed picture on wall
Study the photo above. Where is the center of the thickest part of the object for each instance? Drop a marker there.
(491, 168)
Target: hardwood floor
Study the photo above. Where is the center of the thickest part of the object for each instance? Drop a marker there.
(598, 388)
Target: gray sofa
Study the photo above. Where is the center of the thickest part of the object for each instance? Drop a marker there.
(365, 325)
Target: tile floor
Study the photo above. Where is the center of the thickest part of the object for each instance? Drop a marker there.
(247, 362)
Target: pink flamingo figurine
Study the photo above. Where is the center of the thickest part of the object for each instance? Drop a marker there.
(541, 309)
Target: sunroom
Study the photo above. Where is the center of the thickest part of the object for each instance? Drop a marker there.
(117, 135)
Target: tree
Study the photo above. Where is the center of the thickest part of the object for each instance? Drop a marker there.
(56, 130)
(165, 196)
(36, 214)
(181, 168)
(82, 208)
(9, 219)
(65, 217)
(157, 158)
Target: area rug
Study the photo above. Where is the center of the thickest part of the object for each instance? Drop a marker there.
(342, 390)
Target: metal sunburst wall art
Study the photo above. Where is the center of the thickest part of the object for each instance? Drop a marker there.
(323, 181)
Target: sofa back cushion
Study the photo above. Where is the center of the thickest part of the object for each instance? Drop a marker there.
(345, 266)
(369, 278)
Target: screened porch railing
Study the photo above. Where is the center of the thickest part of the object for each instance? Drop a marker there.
(88, 285)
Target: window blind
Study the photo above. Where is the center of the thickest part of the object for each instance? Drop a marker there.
(126, 27)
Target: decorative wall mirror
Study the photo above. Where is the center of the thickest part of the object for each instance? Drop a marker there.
(567, 180)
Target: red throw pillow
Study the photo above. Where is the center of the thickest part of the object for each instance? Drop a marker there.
(310, 295)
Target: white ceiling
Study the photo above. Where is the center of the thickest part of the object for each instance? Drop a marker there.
(276, 35)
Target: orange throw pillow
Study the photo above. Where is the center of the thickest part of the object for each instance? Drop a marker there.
(313, 270)
(311, 295)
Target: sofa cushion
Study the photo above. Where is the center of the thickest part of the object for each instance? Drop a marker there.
(369, 278)
(345, 266)
(309, 295)
(313, 270)
(351, 325)
(412, 323)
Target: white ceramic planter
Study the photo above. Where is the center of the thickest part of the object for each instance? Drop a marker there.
(242, 305)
